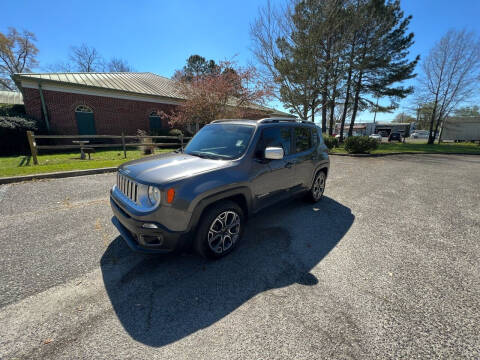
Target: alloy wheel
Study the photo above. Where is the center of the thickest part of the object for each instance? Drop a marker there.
(318, 185)
(224, 231)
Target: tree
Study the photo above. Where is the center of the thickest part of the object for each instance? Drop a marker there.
(17, 54)
(272, 24)
(230, 91)
(118, 65)
(403, 118)
(86, 59)
(196, 67)
(450, 75)
(297, 64)
(382, 51)
(294, 47)
(467, 111)
(318, 54)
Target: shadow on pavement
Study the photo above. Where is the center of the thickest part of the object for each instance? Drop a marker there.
(160, 300)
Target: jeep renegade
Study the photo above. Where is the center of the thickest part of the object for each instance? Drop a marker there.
(203, 194)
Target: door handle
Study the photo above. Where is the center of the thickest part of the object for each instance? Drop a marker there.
(289, 164)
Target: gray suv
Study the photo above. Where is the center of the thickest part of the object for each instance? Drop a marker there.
(202, 195)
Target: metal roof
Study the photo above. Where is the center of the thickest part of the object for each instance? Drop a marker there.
(11, 97)
(141, 83)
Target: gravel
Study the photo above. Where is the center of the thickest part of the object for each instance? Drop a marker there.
(385, 266)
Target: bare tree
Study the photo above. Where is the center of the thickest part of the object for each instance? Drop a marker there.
(450, 75)
(118, 65)
(403, 117)
(17, 54)
(86, 59)
(58, 67)
(271, 24)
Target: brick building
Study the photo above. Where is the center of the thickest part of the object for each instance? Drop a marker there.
(101, 103)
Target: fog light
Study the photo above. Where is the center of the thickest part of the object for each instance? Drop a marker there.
(149, 226)
(152, 240)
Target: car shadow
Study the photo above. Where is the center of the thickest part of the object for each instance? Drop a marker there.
(161, 299)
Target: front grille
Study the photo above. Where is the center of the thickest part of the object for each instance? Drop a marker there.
(128, 187)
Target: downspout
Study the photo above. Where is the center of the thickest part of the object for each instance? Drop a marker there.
(44, 107)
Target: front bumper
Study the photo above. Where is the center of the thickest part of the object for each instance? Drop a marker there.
(145, 240)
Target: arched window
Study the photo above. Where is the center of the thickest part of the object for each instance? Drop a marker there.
(85, 120)
(83, 109)
(155, 121)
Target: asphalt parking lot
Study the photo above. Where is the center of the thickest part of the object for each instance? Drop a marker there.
(385, 266)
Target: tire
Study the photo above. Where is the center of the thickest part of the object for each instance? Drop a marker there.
(318, 187)
(215, 239)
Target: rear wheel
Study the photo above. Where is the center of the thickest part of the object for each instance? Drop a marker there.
(318, 187)
(220, 229)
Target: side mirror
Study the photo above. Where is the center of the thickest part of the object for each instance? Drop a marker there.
(273, 153)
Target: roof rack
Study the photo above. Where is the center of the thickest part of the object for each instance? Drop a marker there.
(266, 120)
(225, 120)
(276, 120)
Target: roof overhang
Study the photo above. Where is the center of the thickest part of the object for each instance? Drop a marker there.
(91, 90)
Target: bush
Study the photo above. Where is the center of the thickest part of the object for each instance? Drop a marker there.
(12, 110)
(175, 132)
(330, 141)
(360, 144)
(13, 134)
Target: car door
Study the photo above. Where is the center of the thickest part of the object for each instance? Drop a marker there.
(272, 178)
(304, 155)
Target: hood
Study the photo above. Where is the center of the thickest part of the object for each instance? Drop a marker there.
(167, 167)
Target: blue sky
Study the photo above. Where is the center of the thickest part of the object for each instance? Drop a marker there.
(158, 36)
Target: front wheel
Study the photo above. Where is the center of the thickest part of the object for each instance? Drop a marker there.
(220, 230)
(318, 187)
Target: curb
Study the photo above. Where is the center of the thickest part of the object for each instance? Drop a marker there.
(56, 175)
(401, 153)
(73, 173)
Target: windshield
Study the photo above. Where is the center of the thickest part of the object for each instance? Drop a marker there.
(220, 141)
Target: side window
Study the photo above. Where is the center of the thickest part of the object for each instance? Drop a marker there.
(303, 139)
(275, 136)
(314, 137)
(286, 139)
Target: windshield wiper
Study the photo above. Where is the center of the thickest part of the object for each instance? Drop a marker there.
(204, 155)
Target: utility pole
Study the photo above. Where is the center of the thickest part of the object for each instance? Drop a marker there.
(375, 116)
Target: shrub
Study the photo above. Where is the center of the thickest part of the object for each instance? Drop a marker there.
(175, 132)
(360, 144)
(330, 141)
(12, 110)
(13, 134)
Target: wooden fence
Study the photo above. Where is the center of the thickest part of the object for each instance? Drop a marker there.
(34, 147)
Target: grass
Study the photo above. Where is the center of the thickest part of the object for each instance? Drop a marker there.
(23, 165)
(421, 148)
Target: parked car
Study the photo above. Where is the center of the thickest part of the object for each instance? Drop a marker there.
(419, 134)
(395, 136)
(203, 195)
(383, 133)
(377, 137)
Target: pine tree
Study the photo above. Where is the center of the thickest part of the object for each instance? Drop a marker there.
(381, 57)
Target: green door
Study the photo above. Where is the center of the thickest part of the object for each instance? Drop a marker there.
(155, 123)
(85, 123)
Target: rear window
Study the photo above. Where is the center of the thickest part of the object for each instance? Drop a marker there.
(303, 139)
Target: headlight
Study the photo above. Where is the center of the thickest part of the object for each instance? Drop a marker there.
(154, 195)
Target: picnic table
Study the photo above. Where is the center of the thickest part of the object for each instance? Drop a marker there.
(82, 144)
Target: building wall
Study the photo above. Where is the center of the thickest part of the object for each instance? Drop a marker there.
(112, 116)
(461, 128)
